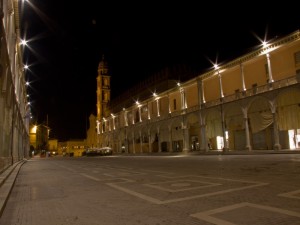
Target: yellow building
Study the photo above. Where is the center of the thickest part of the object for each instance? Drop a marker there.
(39, 136)
(249, 103)
(53, 146)
(75, 147)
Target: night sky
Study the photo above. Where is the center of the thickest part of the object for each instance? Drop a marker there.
(68, 38)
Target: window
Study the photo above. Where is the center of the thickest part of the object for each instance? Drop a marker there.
(254, 87)
(174, 103)
(105, 81)
(105, 96)
(297, 58)
(137, 116)
(237, 93)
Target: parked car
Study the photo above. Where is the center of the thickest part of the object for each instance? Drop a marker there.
(99, 151)
(106, 150)
(53, 153)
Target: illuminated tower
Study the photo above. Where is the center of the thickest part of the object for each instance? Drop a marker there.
(103, 90)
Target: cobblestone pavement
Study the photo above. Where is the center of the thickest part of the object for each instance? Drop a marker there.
(158, 190)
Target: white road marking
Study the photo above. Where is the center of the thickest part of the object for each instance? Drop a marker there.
(291, 194)
(207, 214)
(178, 183)
(90, 177)
(157, 201)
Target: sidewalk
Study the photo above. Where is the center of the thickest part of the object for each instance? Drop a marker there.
(7, 180)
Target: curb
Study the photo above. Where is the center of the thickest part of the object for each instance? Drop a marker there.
(7, 180)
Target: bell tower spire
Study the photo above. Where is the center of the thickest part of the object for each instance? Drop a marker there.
(103, 89)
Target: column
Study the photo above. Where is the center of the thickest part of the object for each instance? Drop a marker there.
(225, 147)
(125, 118)
(243, 77)
(149, 141)
(220, 83)
(141, 142)
(203, 95)
(248, 145)
(186, 137)
(159, 144)
(140, 114)
(200, 92)
(120, 145)
(169, 104)
(170, 139)
(203, 141)
(158, 108)
(133, 143)
(98, 127)
(126, 141)
(277, 145)
(102, 127)
(148, 111)
(183, 100)
(114, 125)
(269, 68)
(132, 116)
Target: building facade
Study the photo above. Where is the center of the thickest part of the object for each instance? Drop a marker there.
(73, 147)
(53, 146)
(249, 103)
(39, 138)
(14, 107)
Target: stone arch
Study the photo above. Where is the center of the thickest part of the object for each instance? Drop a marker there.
(194, 130)
(145, 139)
(154, 137)
(213, 127)
(123, 140)
(136, 139)
(235, 126)
(164, 136)
(176, 132)
(130, 133)
(288, 117)
(115, 140)
(261, 123)
(288, 109)
(213, 122)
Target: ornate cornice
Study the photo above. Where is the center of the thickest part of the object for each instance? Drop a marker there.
(295, 36)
